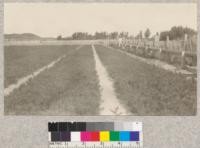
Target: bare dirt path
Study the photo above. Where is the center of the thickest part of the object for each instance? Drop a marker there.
(109, 102)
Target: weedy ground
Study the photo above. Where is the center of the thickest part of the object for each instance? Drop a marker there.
(71, 86)
(21, 61)
(146, 89)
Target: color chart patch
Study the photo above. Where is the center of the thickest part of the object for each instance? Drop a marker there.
(95, 134)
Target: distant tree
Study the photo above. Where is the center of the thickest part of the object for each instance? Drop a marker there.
(177, 33)
(139, 35)
(123, 35)
(126, 35)
(113, 35)
(101, 35)
(74, 36)
(147, 33)
(81, 36)
(59, 37)
(163, 35)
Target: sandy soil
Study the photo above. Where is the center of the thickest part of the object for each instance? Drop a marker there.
(109, 102)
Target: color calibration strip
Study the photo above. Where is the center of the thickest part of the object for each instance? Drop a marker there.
(95, 132)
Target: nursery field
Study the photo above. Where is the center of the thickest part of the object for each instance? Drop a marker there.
(23, 60)
(81, 79)
(146, 89)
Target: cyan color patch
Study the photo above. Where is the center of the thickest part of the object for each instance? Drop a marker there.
(124, 136)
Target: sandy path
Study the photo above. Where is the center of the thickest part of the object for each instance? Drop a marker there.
(24, 80)
(109, 102)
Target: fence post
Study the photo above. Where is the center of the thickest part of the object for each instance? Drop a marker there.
(183, 51)
(123, 43)
(185, 42)
(160, 52)
(130, 43)
(182, 59)
(156, 40)
(136, 51)
(167, 42)
(146, 51)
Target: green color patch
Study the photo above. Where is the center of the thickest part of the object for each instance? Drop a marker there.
(114, 136)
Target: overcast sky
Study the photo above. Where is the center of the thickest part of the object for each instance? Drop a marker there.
(52, 19)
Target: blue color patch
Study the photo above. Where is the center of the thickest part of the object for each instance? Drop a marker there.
(124, 136)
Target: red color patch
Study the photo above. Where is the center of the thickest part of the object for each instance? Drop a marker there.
(94, 136)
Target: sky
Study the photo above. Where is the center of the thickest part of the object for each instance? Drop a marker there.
(53, 19)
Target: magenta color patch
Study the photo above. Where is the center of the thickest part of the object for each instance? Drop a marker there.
(86, 136)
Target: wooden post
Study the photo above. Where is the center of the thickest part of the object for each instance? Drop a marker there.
(136, 50)
(123, 43)
(183, 51)
(120, 42)
(156, 40)
(182, 59)
(160, 52)
(185, 42)
(167, 42)
(146, 51)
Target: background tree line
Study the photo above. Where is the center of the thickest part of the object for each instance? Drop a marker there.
(175, 33)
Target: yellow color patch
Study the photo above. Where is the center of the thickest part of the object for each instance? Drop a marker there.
(104, 136)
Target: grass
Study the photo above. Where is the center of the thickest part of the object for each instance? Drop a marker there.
(21, 61)
(69, 88)
(147, 90)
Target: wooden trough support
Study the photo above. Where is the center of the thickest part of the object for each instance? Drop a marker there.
(182, 58)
